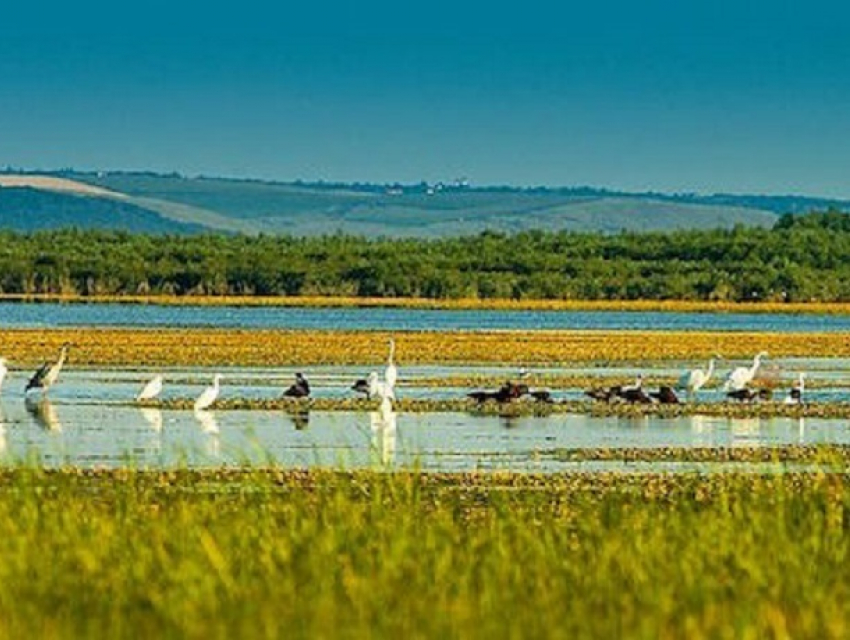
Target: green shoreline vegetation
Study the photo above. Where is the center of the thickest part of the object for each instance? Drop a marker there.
(801, 259)
(273, 553)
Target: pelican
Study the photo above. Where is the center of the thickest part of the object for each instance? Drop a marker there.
(209, 394)
(300, 389)
(694, 380)
(3, 370)
(391, 373)
(739, 378)
(47, 374)
(795, 396)
(378, 388)
(151, 390)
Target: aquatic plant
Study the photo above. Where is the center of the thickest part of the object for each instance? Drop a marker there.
(273, 553)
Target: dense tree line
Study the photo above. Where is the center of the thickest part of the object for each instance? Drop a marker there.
(800, 258)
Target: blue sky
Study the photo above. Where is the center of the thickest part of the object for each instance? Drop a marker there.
(674, 96)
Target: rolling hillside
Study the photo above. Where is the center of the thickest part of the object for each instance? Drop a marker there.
(174, 204)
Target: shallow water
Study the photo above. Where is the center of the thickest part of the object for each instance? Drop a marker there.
(15, 314)
(58, 432)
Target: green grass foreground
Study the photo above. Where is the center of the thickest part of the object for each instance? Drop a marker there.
(228, 554)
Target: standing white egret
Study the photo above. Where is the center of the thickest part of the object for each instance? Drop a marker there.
(378, 388)
(3, 370)
(383, 423)
(391, 374)
(209, 394)
(151, 390)
(739, 378)
(694, 380)
(47, 375)
(795, 396)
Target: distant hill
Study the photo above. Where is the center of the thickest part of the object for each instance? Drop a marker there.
(28, 209)
(170, 203)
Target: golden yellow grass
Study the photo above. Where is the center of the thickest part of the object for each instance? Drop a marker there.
(835, 308)
(223, 347)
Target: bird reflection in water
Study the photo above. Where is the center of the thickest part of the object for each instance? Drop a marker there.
(383, 423)
(153, 417)
(801, 430)
(300, 418)
(3, 443)
(746, 431)
(40, 408)
(209, 425)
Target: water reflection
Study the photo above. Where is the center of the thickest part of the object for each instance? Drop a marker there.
(40, 408)
(745, 431)
(209, 426)
(801, 431)
(3, 443)
(300, 418)
(153, 417)
(383, 424)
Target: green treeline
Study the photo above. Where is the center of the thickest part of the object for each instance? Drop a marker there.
(801, 258)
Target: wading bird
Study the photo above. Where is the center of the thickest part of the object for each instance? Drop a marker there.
(47, 375)
(379, 388)
(508, 392)
(3, 370)
(795, 396)
(209, 394)
(748, 395)
(391, 373)
(361, 385)
(300, 389)
(694, 380)
(740, 377)
(664, 395)
(151, 390)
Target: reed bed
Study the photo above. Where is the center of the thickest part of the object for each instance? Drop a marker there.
(699, 306)
(207, 347)
(268, 554)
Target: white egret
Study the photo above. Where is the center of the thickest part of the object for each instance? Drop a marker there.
(151, 390)
(379, 388)
(3, 370)
(694, 380)
(47, 375)
(391, 373)
(209, 394)
(740, 377)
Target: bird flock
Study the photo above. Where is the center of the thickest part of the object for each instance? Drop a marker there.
(736, 386)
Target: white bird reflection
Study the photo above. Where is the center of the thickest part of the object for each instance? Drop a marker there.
(746, 431)
(153, 417)
(40, 408)
(383, 423)
(3, 444)
(801, 430)
(209, 425)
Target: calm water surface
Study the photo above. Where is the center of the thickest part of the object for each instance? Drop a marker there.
(59, 432)
(117, 315)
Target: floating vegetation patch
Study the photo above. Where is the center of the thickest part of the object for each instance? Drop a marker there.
(268, 348)
(528, 407)
(821, 454)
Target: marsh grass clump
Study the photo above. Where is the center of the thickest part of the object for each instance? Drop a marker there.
(272, 553)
